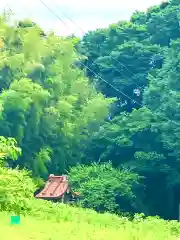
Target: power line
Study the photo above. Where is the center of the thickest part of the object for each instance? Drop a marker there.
(56, 15)
(164, 118)
(97, 75)
(77, 25)
(123, 74)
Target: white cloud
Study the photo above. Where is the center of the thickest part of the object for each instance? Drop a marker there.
(88, 15)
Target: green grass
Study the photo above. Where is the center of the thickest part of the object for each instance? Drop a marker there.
(46, 221)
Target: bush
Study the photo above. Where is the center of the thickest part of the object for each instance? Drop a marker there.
(16, 189)
(104, 188)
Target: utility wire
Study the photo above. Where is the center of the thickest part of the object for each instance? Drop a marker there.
(82, 30)
(164, 118)
(97, 75)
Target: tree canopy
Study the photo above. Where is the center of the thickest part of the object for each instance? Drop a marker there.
(141, 60)
(47, 104)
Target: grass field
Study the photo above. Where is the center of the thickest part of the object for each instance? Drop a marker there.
(52, 222)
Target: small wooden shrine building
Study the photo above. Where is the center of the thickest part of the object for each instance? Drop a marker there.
(57, 189)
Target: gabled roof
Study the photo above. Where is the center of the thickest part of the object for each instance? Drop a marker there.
(55, 187)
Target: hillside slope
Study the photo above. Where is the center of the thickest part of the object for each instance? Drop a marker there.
(48, 221)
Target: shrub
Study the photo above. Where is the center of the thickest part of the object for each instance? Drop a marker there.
(16, 188)
(103, 187)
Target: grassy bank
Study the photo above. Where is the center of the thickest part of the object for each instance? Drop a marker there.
(47, 221)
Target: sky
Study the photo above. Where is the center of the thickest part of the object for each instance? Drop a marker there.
(77, 16)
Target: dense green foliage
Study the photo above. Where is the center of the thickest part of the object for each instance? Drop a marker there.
(141, 59)
(54, 220)
(124, 53)
(61, 114)
(105, 188)
(47, 104)
(16, 187)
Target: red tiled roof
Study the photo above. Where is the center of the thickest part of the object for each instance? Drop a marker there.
(55, 187)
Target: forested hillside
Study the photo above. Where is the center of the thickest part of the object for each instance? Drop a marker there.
(105, 109)
(141, 59)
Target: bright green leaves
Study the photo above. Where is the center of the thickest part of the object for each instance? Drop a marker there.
(9, 148)
(103, 187)
(16, 188)
(46, 102)
(32, 44)
(22, 95)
